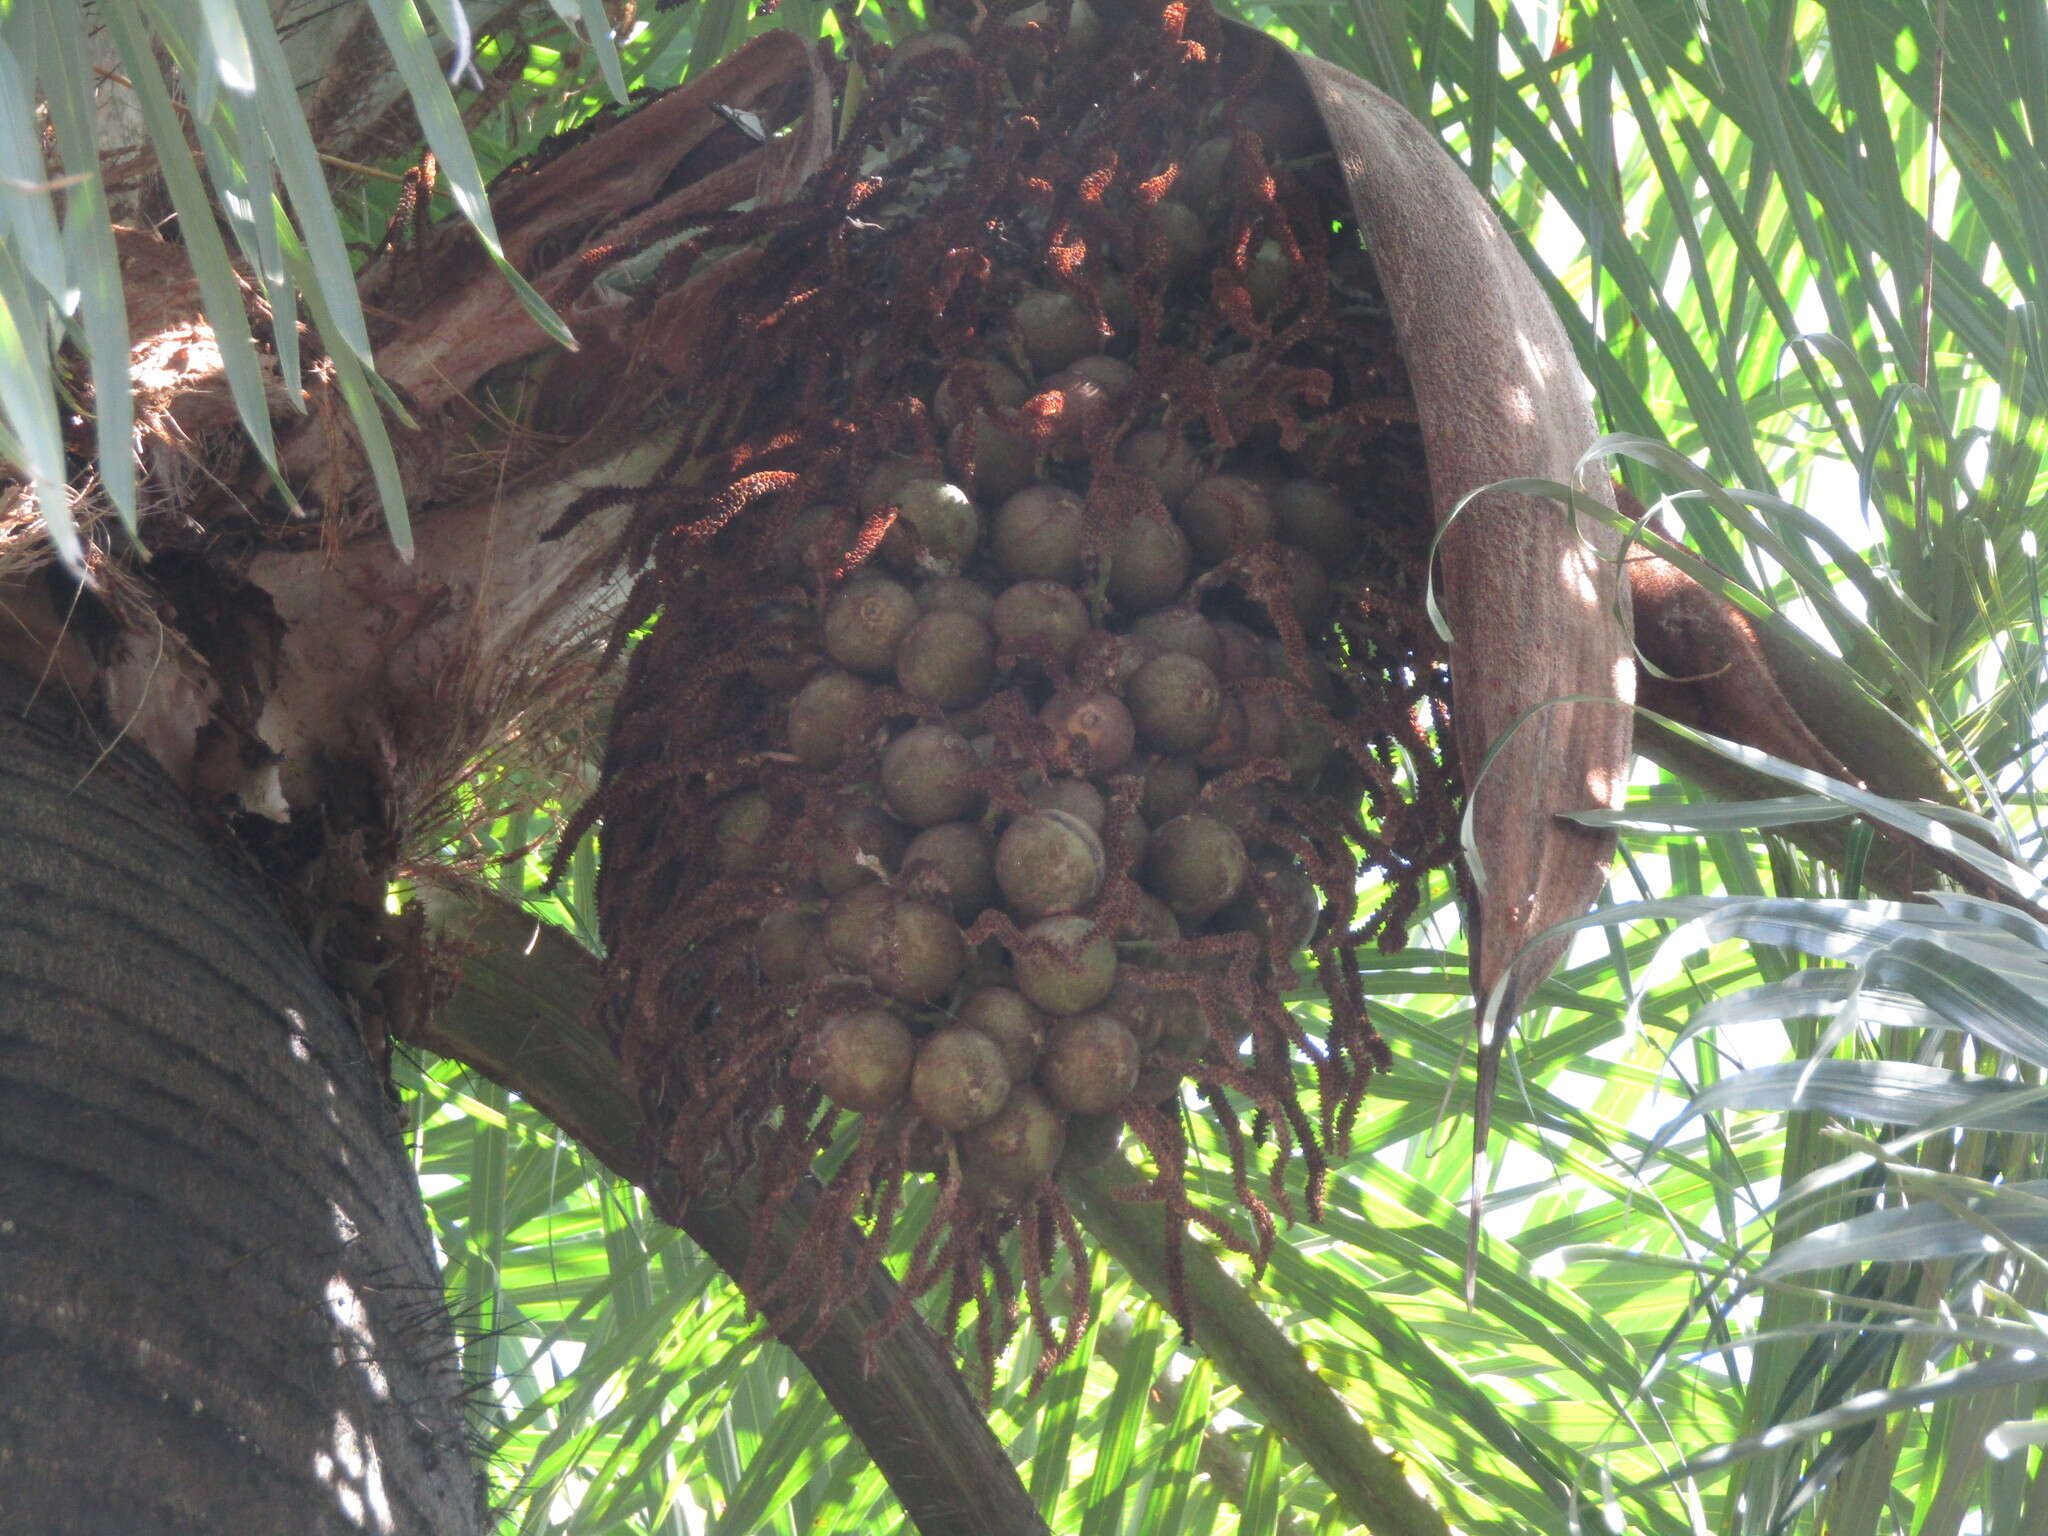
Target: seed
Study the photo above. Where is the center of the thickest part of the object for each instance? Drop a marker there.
(948, 659)
(916, 953)
(816, 539)
(1308, 587)
(1091, 731)
(1278, 898)
(1018, 1029)
(1148, 563)
(1171, 785)
(1244, 654)
(1054, 329)
(1151, 922)
(1066, 965)
(1090, 1063)
(937, 526)
(864, 623)
(1182, 630)
(1203, 175)
(1092, 1140)
(928, 775)
(788, 946)
(954, 594)
(1077, 797)
(1150, 1010)
(1010, 1155)
(954, 862)
(1165, 459)
(1041, 620)
(1004, 390)
(960, 1078)
(1048, 862)
(1082, 401)
(1224, 514)
(741, 834)
(1172, 236)
(825, 717)
(851, 920)
(861, 1060)
(885, 482)
(1174, 702)
(1268, 276)
(1038, 534)
(1196, 865)
(862, 845)
(1004, 459)
(1313, 517)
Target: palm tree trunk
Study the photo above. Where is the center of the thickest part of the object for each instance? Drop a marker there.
(219, 1306)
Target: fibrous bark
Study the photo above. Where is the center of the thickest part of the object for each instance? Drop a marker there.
(219, 1306)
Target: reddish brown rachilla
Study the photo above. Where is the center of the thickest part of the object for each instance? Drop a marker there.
(995, 221)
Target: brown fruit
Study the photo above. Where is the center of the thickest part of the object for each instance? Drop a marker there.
(1048, 862)
(1244, 654)
(1090, 1063)
(951, 401)
(861, 845)
(928, 776)
(1092, 1140)
(1315, 518)
(887, 479)
(915, 953)
(1067, 964)
(1038, 534)
(1174, 702)
(1196, 865)
(1165, 459)
(947, 659)
(1224, 514)
(825, 718)
(1082, 402)
(1182, 630)
(952, 861)
(789, 947)
(817, 538)
(1151, 922)
(1308, 587)
(1148, 564)
(937, 526)
(955, 594)
(851, 920)
(960, 1078)
(1151, 1011)
(864, 623)
(1018, 1029)
(1077, 797)
(1267, 277)
(1091, 730)
(1170, 235)
(1053, 329)
(1004, 460)
(1171, 785)
(1204, 175)
(1005, 1158)
(860, 1059)
(1040, 620)
(1278, 898)
(742, 834)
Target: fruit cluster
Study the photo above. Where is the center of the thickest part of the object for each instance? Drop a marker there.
(1037, 667)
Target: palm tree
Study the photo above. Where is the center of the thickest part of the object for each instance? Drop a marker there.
(303, 684)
